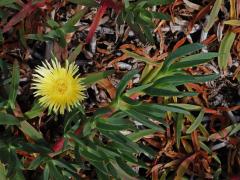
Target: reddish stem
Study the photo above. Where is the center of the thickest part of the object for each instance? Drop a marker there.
(117, 6)
(101, 11)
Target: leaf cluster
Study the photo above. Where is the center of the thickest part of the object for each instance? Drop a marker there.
(139, 16)
(108, 139)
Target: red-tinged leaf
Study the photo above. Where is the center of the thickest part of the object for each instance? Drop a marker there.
(78, 131)
(22, 14)
(155, 170)
(101, 11)
(106, 84)
(179, 43)
(153, 143)
(187, 146)
(26, 10)
(211, 111)
(173, 163)
(184, 165)
(24, 154)
(234, 141)
(202, 13)
(195, 141)
(198, 88)
(105, 4)
(210, 39)
(236, 30)
(58, 145)
(221, 134)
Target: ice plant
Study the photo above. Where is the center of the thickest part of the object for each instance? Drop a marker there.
(57, 87)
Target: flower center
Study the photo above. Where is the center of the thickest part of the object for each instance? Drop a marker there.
(61, 86)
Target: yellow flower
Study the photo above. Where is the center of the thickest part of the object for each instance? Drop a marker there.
(59, 87)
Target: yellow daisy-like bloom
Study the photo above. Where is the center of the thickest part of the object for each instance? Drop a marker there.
(58, 87)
